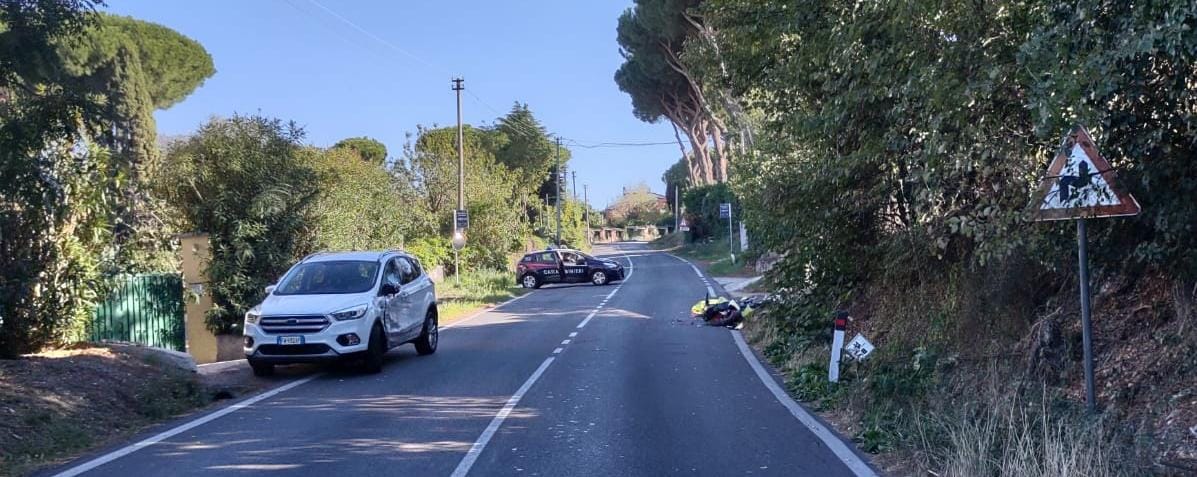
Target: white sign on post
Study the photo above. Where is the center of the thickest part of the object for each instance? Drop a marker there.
(858, 348)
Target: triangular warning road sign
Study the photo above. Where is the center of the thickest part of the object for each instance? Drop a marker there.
(1080, 184)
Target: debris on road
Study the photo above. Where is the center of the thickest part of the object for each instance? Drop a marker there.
(724, 312)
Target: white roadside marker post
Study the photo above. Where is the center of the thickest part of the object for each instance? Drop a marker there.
(837, 346)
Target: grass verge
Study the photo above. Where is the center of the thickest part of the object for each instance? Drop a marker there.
(713, 256)
(478, 290)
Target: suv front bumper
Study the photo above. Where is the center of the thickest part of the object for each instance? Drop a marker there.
(317, 347)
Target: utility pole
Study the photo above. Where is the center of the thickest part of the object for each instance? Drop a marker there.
(458, 236)
(557, 181)
(575, 176)
(586, 209)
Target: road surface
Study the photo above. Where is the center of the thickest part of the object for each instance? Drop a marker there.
(567, 380)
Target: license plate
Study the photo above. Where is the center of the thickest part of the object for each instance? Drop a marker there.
(290, 340)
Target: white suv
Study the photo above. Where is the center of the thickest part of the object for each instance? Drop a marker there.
(333, 306)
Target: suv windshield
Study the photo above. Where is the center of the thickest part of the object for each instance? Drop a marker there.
(331, 277)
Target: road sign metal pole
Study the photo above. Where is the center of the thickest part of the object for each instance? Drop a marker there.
(586, 209)
(1086, 322)
(557, 185)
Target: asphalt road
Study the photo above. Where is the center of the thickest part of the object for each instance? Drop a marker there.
(638, 390)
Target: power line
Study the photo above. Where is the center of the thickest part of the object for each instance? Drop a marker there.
(526, 128)
(621, 144)
(376, 37)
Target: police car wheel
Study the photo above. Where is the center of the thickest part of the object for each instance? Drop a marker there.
(599, 277)
(530, 281)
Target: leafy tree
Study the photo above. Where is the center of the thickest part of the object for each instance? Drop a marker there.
(1126, 71)
(637, 206)
(652, 36)
(702, 210)
(53, 184)
(120, 70)
(490, 192)
(245, 182)
(527, 151)
(675, 178)
(172, 65)
(359, 206)
(368, 149)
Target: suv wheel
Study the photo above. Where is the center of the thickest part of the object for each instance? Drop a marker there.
(261, 369)
(426, 343)
(530, 281)
(599, 277)
(376, 350)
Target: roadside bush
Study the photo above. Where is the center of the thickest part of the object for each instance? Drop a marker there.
(701, 205)
(57, 243)
(77, 94)
(358, 206)
(432, 251)
(242, 181)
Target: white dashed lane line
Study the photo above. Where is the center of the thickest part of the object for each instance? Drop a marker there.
(476, 449)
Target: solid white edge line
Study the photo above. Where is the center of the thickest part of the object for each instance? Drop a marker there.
(829, 438)
(467, 461)
(483, 312)
(124, 451)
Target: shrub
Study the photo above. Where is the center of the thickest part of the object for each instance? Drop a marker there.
(358, 206)
(702, 210)
(241, 180)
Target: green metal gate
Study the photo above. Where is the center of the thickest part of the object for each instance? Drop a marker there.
(145, 309)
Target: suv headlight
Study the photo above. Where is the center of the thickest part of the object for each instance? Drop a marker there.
(612, 265)
(253, 315)
(351, 313)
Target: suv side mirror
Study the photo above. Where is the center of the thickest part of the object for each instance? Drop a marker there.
(388, 289)
(270, 289)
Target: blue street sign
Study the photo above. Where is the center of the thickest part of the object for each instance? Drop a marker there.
(462, 219)
(725, 210)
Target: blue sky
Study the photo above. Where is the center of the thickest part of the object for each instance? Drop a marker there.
(294, 60)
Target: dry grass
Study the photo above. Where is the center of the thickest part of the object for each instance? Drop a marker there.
(1004, 434)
